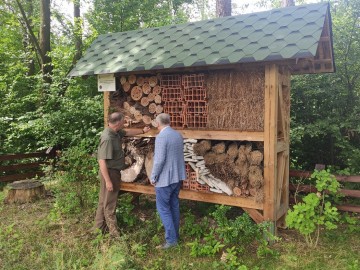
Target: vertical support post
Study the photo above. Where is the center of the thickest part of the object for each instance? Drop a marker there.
(270, 143)
(106, 107)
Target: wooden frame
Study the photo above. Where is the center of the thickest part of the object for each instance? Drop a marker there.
(276, 152)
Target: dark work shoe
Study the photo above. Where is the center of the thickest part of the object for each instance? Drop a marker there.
(166, 246)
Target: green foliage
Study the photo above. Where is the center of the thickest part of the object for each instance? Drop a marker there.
(77, 173)
(325, 108)
(209, 246)
(316, 210)
(240, 230)
(124, 210)
(191, 227)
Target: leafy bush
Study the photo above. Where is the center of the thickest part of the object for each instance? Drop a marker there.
(316, 210)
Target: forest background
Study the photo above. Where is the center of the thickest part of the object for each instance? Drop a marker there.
(42, 107)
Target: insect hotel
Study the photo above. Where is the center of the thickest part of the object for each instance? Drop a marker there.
(226, 84)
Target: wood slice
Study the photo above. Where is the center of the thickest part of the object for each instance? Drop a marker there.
(138, 115)
(237, 191)
(154, 123)
(146, 88)
(159, 109)
(149, 161)
(122, 80)
(126, 86)
(153, 81)
(25, 191)
(151, 96)
(132, 109)
(146, 119)
(140, 81)
(144, 101)
(157, 99)
(136, 93)
(126, 106)
(152, 108)
(157, 89)
(132, 79)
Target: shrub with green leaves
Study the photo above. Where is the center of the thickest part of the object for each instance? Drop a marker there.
(316, 211)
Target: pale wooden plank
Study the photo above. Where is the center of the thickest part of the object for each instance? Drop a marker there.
(106, 107)
(197, 196)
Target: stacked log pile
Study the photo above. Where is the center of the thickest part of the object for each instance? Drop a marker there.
(226, 167)
(143, 98)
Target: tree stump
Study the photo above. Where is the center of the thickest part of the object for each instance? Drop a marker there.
(25, 191)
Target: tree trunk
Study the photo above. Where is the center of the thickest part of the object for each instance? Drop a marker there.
(287, 3)
(77, 31)
(45, 47)
(223, 8)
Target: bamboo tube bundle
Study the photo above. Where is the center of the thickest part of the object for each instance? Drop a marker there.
(152, 108)
(256, 157)
(157, 99)
(126, 86)
(122, 80)
(219, 148)
(159, 109)
(202, 147)
(221, 158)
(151, 96)
(259, 196)
(233, 150)
(256, 179)
(132, 79)
(140, 81)
(157, 89)
(144, 101)
(146, 88)
(153, 81)
(210, 158)
(136, 93)
(241, 168)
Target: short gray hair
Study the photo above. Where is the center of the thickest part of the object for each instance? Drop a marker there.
(163, 119)
(115, 117)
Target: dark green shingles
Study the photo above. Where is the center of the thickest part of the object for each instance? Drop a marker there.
(272, 35)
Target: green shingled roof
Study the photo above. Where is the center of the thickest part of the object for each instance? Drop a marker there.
(278, 34)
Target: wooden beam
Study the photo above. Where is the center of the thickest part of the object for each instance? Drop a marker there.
(21, 166)
(106, 107)
(213, 134)
(270, 142)
(340, 178)
(254, 214)
(197, 196)
(22, 176)
(22, 156)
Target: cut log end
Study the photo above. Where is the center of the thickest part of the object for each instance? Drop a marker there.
(25, 191)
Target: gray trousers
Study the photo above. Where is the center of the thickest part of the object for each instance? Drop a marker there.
(105, 218)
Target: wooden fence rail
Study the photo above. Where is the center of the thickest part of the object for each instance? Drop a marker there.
(24, 166)
(353, 193)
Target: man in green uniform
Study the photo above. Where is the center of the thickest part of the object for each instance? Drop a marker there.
(111, 161)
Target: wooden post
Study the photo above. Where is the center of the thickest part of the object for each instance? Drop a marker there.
(270, 143)
(106, 107)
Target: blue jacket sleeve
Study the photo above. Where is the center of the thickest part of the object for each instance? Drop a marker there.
(159, 157)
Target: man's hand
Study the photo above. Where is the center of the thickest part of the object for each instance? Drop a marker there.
(152, 182)
(109, 186)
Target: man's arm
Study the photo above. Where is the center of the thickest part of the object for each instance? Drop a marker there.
(105, 174)
(136, 132)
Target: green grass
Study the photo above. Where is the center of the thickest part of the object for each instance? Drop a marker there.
(34, 236)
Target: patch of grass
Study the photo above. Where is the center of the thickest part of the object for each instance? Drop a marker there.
(34, 236)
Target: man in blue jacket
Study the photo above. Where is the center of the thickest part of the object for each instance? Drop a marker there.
(167, 173)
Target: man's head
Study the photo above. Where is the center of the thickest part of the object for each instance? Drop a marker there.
(116, 121)
(163, 120)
